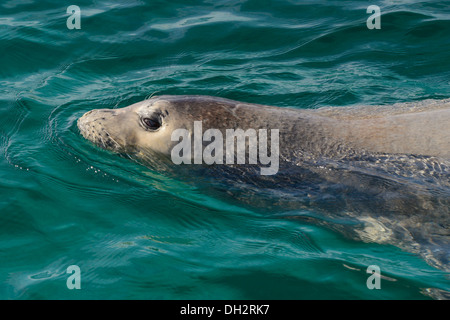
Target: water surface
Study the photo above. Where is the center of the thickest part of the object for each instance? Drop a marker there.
(137, 233)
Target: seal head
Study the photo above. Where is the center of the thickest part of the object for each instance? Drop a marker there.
(146, 127)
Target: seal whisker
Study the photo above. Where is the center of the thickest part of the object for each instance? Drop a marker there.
(117, 145)
(103, 142)
(151, 95)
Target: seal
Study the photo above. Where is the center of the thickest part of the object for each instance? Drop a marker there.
(147, 126)
(388, 167)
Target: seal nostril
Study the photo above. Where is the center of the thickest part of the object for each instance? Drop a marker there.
(112, 112)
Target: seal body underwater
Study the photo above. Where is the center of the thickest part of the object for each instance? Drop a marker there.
(387, 167)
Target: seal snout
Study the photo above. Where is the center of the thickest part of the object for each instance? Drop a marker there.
(92, 127)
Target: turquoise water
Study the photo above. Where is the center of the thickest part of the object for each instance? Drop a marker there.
(137, 233)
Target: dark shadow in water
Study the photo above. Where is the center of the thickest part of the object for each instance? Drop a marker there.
(263, 285)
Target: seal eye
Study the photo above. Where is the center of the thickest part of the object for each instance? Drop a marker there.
(152, 124)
